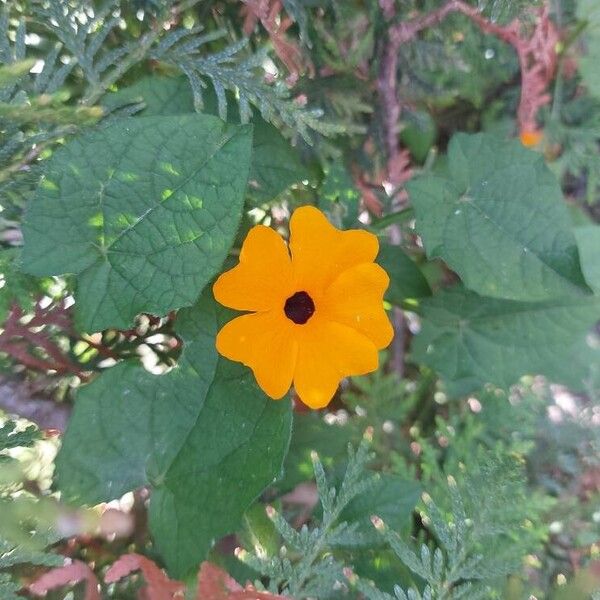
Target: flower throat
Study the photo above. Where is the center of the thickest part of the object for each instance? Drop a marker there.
(299, 308)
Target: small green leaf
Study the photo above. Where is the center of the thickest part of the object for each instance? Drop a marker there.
(259, 530)
(338, 194)
(12, 437)
(18, 288)
(9, 588)
(275, 164)
(499, 221)
(588, 240)
(312, 433)
(203, 437)
(143, 211)
(392, 498)
(476, 340)
(406, 279)
(419, 134)
(11, 73)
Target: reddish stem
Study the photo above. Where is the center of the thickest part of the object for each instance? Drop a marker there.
(16, 339)
(536, 55)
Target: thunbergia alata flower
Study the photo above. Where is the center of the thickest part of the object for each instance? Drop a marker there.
(316, 310)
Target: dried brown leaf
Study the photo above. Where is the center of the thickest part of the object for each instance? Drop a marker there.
(70, 574)
(158, 585)
(216, 584)
(269, 13)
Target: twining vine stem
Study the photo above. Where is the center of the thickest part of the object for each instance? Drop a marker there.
(536, 54)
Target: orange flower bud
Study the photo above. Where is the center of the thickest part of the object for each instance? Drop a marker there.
(530, 138)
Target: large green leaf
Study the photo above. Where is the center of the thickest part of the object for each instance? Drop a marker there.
(203, 437)
(473, 340)
(588, 240)
(498, 219)
(143, 211)
(275, 164)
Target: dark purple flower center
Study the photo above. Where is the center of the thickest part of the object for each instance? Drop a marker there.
(299, 308)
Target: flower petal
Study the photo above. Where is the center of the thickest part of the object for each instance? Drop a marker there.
(263, 277)
(320, 251)
(355, 299)
(328, 352)
(264, 342)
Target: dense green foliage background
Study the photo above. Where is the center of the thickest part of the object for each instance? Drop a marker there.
(140, 141)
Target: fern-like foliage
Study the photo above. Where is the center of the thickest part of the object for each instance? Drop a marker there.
(11, 437)
(84, 50)
(472, 538)
(503, 11)
(577, 130)
(235, 70)
(299, 13)
(20, 547)
(33, 114)
(381, 397)
(82, 31)
(13, 554)
(306, 567)
(8, 588)
(22, 540)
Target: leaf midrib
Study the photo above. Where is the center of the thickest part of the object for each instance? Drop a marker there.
(218, 147)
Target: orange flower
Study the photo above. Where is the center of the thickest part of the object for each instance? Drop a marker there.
(317, 315)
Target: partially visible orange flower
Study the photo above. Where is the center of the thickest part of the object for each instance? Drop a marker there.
(530, 138)
(317, 311)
